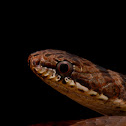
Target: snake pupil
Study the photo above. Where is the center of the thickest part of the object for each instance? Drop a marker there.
(64, 68)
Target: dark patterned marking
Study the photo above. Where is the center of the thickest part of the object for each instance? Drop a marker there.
(59, 53)
(107, 78)
(101, 69)
(84, 83)
(111, 90)
(123, 94)
(124, 80)
(61, 56)
(95, 88)
(105, 73)
(123, 77)
(47, 55)
(36, 55)
(76, 61)
(81, 90)
(118, 107)
(87, 63)
(93, 95)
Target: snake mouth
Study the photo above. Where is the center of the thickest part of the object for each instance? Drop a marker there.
(46, 73)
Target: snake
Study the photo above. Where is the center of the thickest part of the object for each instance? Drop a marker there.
(97, 88)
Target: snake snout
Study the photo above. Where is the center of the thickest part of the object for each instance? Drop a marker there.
(29, 60)
(33, 60)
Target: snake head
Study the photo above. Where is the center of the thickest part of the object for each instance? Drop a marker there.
(55, 65)
(81, 80)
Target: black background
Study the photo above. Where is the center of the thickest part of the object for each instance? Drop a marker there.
(98, 39)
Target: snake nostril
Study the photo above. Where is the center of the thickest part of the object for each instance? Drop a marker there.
(36, 62)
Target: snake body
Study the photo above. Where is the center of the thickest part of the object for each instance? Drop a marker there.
(90, 85)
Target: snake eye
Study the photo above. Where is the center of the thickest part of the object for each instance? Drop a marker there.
(64, 68)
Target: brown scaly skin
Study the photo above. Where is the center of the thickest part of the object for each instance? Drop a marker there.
(101, 90)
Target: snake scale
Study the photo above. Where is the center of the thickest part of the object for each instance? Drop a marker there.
(92, 86)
